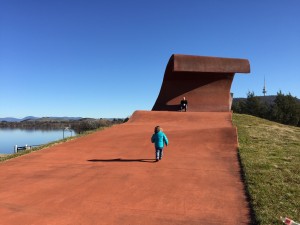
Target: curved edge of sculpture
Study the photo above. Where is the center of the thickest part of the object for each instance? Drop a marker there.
(204, 81)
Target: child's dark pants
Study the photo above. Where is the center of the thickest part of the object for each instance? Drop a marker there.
(159, 153)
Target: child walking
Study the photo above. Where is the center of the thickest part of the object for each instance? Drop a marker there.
(159, 139)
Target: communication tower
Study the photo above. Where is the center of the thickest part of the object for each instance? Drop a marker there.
(264, 89)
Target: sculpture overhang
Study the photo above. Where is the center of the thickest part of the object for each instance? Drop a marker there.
(206, 64)
(204, 81)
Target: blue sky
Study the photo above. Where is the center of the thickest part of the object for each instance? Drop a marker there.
(104, 59)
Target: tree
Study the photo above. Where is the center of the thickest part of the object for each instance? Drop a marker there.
(286, 109)
(253, 104)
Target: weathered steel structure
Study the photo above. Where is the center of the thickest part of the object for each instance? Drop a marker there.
(204, 81)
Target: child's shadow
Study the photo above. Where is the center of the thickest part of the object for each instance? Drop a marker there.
(123, 160)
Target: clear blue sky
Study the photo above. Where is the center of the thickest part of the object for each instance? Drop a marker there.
(100, 59)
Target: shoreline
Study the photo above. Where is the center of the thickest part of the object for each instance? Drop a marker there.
(4, 155)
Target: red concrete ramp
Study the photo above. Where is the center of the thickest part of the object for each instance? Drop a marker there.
(110, 177)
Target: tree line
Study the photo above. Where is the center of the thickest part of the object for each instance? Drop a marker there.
(79, 126)
(284, 109)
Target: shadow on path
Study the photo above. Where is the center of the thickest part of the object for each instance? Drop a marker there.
(123, 160)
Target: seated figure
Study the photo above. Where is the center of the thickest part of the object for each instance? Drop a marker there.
(183, 104)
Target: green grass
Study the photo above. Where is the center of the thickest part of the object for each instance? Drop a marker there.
(270, 158)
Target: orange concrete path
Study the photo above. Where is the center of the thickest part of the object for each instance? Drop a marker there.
(109, 177)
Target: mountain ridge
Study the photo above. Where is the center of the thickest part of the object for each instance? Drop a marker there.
(49, 118)
(33, 118)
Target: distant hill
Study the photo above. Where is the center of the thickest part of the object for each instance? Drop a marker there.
(47, 119)
(10, 119)
(51, 118)
(33, 118)
(29, 118)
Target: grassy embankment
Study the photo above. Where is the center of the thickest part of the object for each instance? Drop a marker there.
(270, 158)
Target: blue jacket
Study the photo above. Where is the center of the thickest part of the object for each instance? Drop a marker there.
(159, 139)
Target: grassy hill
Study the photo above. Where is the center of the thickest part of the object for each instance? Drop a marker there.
(270, 157)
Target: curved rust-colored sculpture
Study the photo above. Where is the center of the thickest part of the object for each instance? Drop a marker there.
(204, 81)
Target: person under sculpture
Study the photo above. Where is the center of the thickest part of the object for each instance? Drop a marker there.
(183, 104)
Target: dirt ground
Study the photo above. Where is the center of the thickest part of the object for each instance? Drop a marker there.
(110, 177)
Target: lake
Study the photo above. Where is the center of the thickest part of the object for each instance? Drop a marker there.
(11, 137)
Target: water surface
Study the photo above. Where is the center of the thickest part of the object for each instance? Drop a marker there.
(11, 137)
